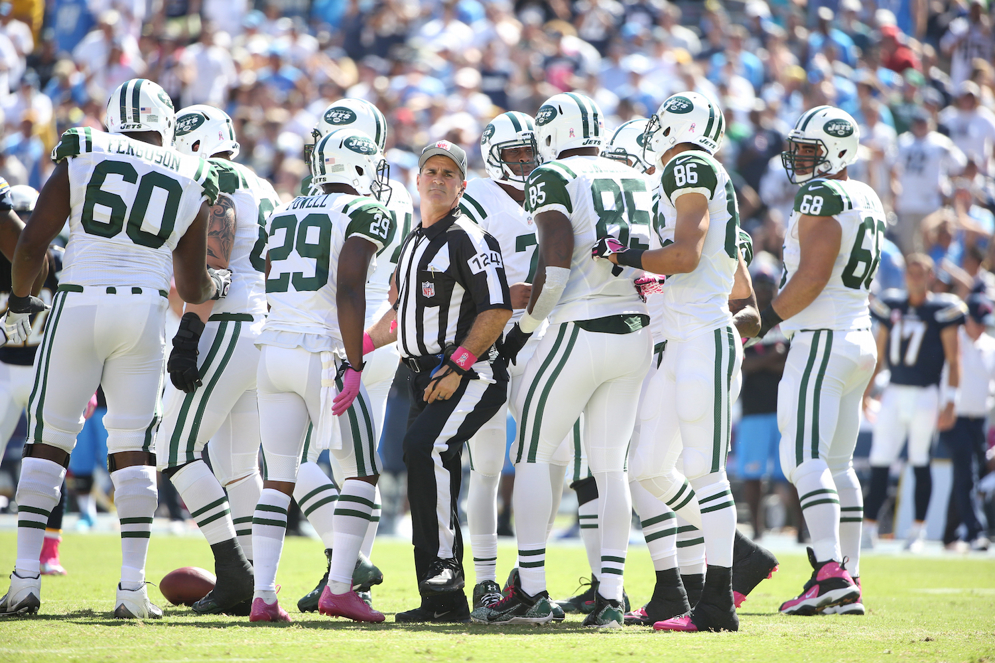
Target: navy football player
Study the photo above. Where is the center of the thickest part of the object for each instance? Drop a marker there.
(917, 333)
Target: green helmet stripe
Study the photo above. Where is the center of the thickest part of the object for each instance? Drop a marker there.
(380, 138)
(811, 114)
(585, 123)
(123, 103)
(720, 127)
(711, 119)
(527, 121)
(514, 122)
(594, 111)
(136, 103)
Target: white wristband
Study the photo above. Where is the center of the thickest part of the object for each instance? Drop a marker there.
(528, 323)
(950, 395)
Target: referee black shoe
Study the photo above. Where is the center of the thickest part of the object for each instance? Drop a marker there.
(444, 575)
(456, 611)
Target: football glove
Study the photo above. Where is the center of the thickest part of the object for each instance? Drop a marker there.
(222, 282)
(512, 343)
(351, 379)
(182, 364)
(649, 285)
(17, 320)
(768, 320)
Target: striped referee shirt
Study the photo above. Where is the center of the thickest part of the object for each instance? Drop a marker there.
(446, 275)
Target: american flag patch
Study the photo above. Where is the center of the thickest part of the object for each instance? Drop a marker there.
(145, 109)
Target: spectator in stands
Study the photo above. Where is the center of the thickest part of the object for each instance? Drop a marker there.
(967, 38)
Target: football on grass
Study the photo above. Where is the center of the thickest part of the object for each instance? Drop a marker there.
(186, 586)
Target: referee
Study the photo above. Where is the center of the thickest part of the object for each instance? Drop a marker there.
(452, 305)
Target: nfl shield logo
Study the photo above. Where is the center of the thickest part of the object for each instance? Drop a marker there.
(427, 289)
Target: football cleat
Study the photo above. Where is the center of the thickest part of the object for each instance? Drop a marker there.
(443, 576)
(232, 593)
(23, 597)
(693, 584)
(348, 605)
(606, 613)
(135, 604)
(751, 565)
(855, 607)
(367, 597)
(309, 602)
(423, 614)
(829, 585)
(669, 600)
(486, 593)
(49, 559)
(516, 607)
(582, 603)
(511, 581)
(364, 576)
(558, 614)
(676, 624)
(267, 612)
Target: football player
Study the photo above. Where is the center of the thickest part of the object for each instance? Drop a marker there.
(592, 358)
(212, 367)
(832, 248)
(315, 493)
(917, 334)
(137, 208)
(321, 252)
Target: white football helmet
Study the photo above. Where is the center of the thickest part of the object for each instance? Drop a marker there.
(353, 114)
(349, 156)
(507, 131)
(834, 134)
(23, 199)
(204, 131)
(568, 121)
(141, 105)
(686, 117)
(628, 145)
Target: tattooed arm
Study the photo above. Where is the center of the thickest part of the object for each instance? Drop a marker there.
(220, 239)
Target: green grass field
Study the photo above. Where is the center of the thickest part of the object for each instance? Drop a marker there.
(919, 609)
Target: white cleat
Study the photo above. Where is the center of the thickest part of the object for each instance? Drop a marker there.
(23, 597)
(135, 604)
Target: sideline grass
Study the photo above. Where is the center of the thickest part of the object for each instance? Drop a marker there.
(919, 609)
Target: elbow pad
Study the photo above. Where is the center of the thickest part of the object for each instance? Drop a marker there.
(552, 290)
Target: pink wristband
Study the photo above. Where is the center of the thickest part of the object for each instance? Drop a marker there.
(464, 358)
(368, 346)
(393, 326)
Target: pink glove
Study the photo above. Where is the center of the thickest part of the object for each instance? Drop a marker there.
(368, 346)
(649, 285)
(351, 382)
(90, 407)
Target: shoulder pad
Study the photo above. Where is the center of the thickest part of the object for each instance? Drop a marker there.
(690, 171)
(73, 143)
(821, 197)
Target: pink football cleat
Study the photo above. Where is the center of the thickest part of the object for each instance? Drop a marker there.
(267, 612)
(347, 605)
(49, 559)
(676, 624)
(829, 585)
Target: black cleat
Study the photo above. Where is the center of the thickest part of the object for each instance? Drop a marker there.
(669, 600)
(232, 594)
(693, 584)
(444, 575)
(751, 565)
(584, 602)
(454, 611)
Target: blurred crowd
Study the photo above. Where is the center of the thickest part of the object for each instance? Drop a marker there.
(917, 76)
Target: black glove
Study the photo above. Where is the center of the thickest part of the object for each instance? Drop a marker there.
(222, 282)
(768, 320)
(512, 343)
(27, 304)
(182, 364)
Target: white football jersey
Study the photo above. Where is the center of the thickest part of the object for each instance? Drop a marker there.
(924, 168)
(842, 304)
(131, 202)
(255, 199)
(491, 208)
(306, 237)
(698, 302)
(600, 197)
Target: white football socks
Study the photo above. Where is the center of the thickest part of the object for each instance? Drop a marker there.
(352, 518)
(659, 527)
(614, 516)
(37, 494)
(821, 507)
(533, 500)
(690, 548)
(590, 535)
(136, 498)
(371, 530)
(316, 496)
(851, 518)
(206, 501)
(269, 527)
(718, 517)
(481, 516)
(243, 495)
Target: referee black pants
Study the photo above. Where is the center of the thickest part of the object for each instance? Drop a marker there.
(433, 447)
(963, 442)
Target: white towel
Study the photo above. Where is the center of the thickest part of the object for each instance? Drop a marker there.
(325, 430)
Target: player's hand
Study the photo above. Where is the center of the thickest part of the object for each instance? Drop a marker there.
(649, 285)
(182, 364)
(222, 282)
(17, 320)
(512, 343)
(768, 320)
(351, 382)
(870, 407)
(90, 407)
(606, 247)
(443, 385)
(520, 294)
(947, 417)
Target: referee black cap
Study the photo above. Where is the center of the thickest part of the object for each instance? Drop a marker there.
(446, 149)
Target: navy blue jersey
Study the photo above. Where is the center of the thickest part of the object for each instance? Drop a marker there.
(915, 352)
(24, 354)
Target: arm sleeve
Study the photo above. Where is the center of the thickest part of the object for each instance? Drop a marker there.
(479, 268)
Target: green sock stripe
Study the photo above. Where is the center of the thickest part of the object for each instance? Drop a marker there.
(856, 509)
(610, 558)
(532, 565)
(374, 519)
(272, 508)
(314, 492)
(594, 526)
(851, 520)
(712, 498)
(271, 523)
(530, 553)
(32, 524)
(320, 503)
(719, 507)
(593, 515)
(136, 535)
(212, 505)
(135, 521)
(33, 509)
(243, 532)
(821, 491)
(485, 559)
(649, 522)
(653, 536)
(352, 513)
(687, 500)
(818, 502)
(608, 569)
(211, 519)
(356, 499)
(239, 521)
(691, 542)
(684, 529)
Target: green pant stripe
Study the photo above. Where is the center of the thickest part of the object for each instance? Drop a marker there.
(690, 542)
(135, 521)
(371, 436)
(33, 509)
(727, 397)
(203, 510)
(319, 489)
(717, 403)
(851, 520)
(802, 393)
(40, 366)
(537, 424)
(649, 522)
(529, 553)
(271, 508)
(211, 519)
(829, 500)
(271, 523)
(817, 393)
(532, 389)
(181, 420)
(307, 443)
(156, 419)
(712, 498)
(353, 513)
(243, 519)
(136, 535)
(320, 503)
(31, 524)
(653, 536)
(357, 442)
(719, 507)
(531, 565)
(685, 502)
(578, 449)
(356, 499)
(614, 572)
(209, 388)
(39, 407)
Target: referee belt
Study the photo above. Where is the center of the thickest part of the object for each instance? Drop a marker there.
(424, 363)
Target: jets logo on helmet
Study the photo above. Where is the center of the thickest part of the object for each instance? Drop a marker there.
(510, 131)
(823, 142)
(356, 113)
(688, 117)
(141, 105)
(205, 131)
(337, 115)
(568, 121)
(678, 105)
(628, 145)
(348, 156)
